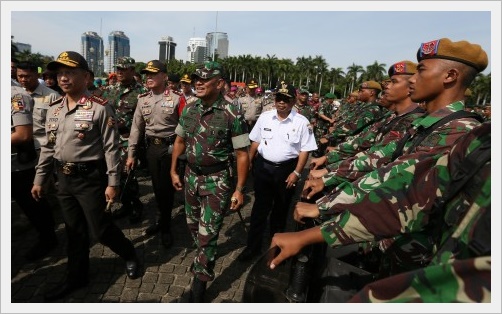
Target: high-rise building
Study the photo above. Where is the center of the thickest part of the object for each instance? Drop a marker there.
(167, 49)
(196, 50)
(91, 48)
(217, 44)
(118, 46)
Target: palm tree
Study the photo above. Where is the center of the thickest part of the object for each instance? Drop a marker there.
(270, 65)
(352, 72)
(481, 88)
(336, 74)
(376, 71)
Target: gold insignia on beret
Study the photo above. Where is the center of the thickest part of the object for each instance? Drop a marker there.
(284, 87)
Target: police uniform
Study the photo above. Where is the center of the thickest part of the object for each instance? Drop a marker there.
(251, 106)
(156, 118)
(211, 134)
(82, 146)
(190, 98)
(280, 145)
(123, 98)
(23, 162)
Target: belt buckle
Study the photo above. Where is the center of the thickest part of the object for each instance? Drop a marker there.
(157, 141)
(67, 168)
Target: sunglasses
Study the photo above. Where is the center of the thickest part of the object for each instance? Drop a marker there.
(281, 97)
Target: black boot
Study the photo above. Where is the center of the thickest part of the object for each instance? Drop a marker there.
(197, 291)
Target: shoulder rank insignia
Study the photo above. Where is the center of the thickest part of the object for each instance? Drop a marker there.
(98, 100)
(57, 101)
(144, 94)
(17, 103)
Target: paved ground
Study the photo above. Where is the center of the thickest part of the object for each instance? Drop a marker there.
(166, 272)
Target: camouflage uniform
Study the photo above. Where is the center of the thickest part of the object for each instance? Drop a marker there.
(210, 135)
(379, 134)
(463, 253)
(306, 111)
(322, 126)
(124, 98)
(439, 140)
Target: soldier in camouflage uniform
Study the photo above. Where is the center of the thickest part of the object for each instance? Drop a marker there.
(464, 245)
(379, 134)
(303, 108)
(390, 201)
(324, 121)
(209, 131)
(123, 97)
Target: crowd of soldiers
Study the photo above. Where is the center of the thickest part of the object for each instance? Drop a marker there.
(381, 180)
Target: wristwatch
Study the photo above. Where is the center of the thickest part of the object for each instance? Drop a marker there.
(241, 189)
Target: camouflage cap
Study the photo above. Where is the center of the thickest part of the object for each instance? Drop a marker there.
(403, 68)
(70, 59)
(186, 79)
(154, 66)
(125, 62)
(460, 51)
(371, 85)
(251, 83)
(286, 89)
(209, 70)
(329, 96)
(303, 91)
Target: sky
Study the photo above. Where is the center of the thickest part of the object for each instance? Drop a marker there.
(344, 33)
(341, 37)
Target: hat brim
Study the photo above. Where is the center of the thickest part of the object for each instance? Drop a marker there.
(53, 65)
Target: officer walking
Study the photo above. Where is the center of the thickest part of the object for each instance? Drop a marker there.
(281, 142)
(209, 131)
(156, 117)
(123, 97)
(82, 144)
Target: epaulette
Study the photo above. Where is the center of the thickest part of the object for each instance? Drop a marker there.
(144, 94)
(177, 92)
(98, 100)
(57, 101)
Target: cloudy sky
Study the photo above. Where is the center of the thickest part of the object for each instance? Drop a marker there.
(313, 28)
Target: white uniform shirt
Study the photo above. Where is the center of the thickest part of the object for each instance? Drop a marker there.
(282, 140)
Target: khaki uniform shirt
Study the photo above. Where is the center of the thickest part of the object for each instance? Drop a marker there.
(155, 115)
(43, 97)
(21, 106)
(88, 132)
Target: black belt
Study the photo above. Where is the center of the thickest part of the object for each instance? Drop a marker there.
(207, 170)
(278, 164)
(152, 140)
(71, 168)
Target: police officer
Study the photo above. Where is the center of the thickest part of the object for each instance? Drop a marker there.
(210, 131)
(123, 97)
(82, 146)
(281, 142)
(156, 117)
(186, 89)
(251, 105)
(23, 162)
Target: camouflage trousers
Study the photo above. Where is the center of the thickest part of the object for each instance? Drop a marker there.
(206, 204)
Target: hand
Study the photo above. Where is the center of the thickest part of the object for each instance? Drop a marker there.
(316, 174)
(130, 164)
(317, 162)
(323, 140)
(291, 180)
(37, 192)
(111, 193)
(289, 245)
(175, 179)
(305, 210)
(312, 187)
(236, 201)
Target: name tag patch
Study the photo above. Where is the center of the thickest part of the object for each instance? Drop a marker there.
(84, 115)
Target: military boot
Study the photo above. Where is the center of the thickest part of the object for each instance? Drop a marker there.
(197, 291)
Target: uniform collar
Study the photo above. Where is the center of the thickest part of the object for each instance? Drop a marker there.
(439, 114)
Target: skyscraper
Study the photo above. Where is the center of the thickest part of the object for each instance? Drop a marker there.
(196, 50)
(91, 48)
(217, 43)
(167, 49)
(118, 46)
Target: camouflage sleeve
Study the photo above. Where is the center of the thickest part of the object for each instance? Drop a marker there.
(389, 201)
(180, 128)
(359, 165)
(352, 145)
(461, 281)
(353, 126)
